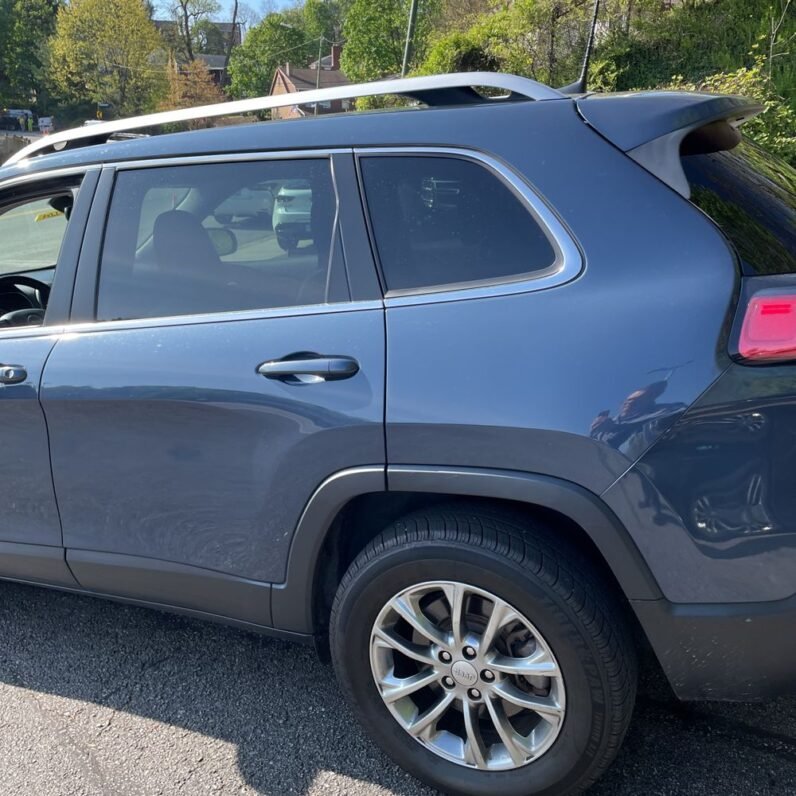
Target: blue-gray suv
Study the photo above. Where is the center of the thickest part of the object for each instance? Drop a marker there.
(517, 403)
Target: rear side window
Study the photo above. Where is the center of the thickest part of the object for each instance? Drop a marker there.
(751, 195)
(219, 238)
(446, 222)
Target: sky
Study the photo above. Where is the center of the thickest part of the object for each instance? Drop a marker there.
(256, 5)
(260, 7)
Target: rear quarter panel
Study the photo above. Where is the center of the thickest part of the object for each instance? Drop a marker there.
(719, 490)
(575, 381)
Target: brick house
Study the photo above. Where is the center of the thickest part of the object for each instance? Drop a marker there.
(289, 79)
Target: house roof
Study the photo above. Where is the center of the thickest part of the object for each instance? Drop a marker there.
(212, 61)
(305, 79)
(226, 27)
(326, 62)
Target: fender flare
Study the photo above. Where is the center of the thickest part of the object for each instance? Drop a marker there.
(291, 601)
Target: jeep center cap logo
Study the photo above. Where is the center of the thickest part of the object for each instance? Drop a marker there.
(463, 673)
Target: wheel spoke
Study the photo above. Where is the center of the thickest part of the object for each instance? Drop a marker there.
(390, 639)
(455, 595)
(508, 735)
(501, 615)
(407, 609)
(432, 638)
(425, 720)
(395, 688)
(546, 707)
(538, 664)
(474, 750)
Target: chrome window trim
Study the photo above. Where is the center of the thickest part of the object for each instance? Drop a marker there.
(52, 174)
(567, 265)
(83, 327)
(15, 332)
(230, 157)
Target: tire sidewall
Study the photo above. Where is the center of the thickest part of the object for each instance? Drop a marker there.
(559, 769)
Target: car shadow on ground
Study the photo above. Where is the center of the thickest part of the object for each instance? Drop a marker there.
(281, 708)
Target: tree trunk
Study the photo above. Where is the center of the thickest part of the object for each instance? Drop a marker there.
(186, 29)
(230, 43)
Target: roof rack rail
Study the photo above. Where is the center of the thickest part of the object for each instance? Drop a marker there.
(433, 90)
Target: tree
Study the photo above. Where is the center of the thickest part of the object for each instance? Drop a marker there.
(375, 34)
(108, 51)
(268, 44)
(543, 39)
(207, 38)
(230, 44)
(459, 15)
(25, 25)
(189, 86)
(188, 14)
(323, 18)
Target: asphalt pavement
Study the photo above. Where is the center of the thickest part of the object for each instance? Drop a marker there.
(102, 698)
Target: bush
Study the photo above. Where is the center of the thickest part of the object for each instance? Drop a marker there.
(775, 128)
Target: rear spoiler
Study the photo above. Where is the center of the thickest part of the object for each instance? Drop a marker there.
(652, 126)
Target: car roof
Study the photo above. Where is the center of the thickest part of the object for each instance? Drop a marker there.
(413, 126)
(627, 119)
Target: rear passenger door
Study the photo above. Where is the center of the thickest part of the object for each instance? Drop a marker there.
(232, 359)
(466, 250)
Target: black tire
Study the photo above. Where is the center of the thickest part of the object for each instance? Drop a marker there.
(288, 243)
(554, 586)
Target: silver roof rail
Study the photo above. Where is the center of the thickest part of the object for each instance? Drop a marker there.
(435, 90)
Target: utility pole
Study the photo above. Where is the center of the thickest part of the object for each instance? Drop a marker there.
(318, 71)
(410, 34)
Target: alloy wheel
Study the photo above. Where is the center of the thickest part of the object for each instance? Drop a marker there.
(467, 675)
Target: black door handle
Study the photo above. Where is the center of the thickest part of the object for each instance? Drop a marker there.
(12, 374)
(309, 369)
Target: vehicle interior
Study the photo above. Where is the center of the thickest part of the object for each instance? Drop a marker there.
(31, 231)
(172, 246)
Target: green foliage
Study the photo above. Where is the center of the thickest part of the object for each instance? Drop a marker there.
(695, 39)
(542, 39)
(108, 51)
(191, 18)
(724, 46)
(375, 33)
(775, 128)
(206, 38)
(25, 26)
(460, 51)
(269, 44)
(323, 18)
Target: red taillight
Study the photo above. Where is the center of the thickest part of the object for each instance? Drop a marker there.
(769, 328)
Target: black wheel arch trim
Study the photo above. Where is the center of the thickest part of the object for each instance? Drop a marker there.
(292, 600)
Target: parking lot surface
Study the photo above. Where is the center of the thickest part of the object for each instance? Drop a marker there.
(101, 698)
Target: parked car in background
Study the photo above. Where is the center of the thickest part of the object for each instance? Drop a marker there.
(292, 214)
(15, 119)
(250, 203)
(522, 407)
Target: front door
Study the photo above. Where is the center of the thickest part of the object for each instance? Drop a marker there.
(37, 241)
(225, 377)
